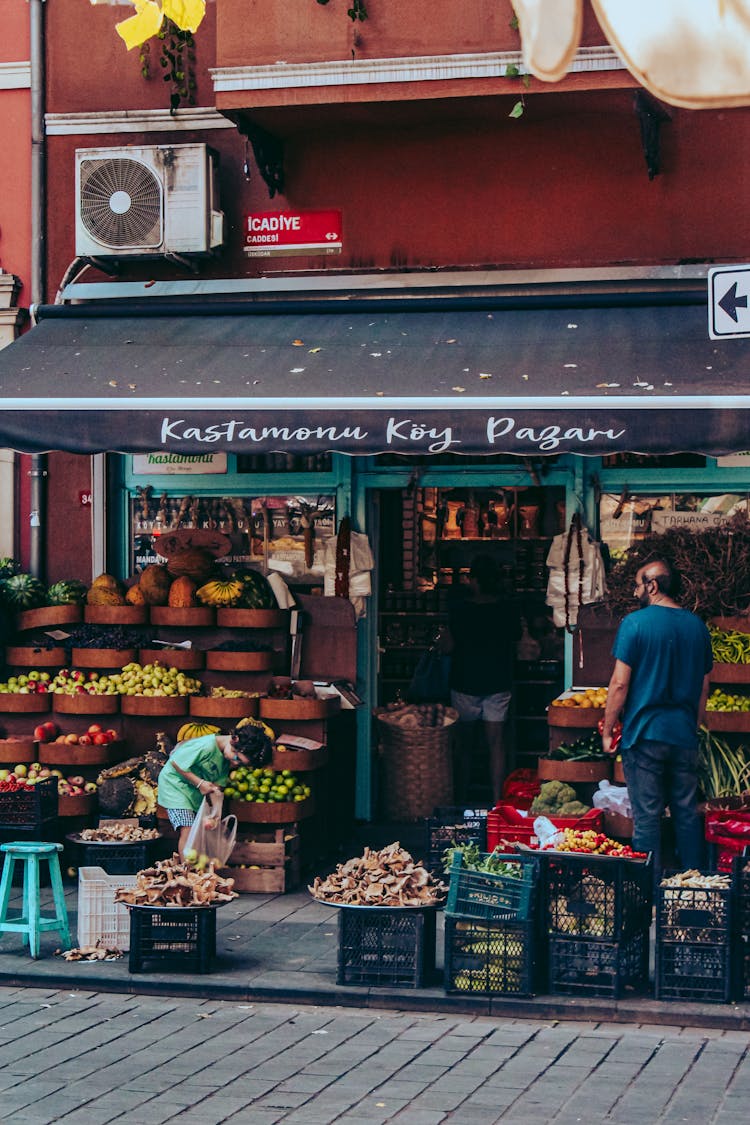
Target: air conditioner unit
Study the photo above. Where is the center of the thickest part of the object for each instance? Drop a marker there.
(147, 201)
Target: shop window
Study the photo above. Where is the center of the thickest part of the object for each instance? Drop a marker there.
(625, 519)
(649, 461)
(283, 533)
(284, 463)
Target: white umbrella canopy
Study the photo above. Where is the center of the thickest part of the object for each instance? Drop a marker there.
(690, 53)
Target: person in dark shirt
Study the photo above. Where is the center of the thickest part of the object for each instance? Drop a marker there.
(659, 685)
(482, 633)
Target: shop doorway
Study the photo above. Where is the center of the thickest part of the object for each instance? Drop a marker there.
(427, 538)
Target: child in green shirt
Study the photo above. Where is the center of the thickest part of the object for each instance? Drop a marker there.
(200, 766)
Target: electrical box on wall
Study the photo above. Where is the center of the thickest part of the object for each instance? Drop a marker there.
(147, 201)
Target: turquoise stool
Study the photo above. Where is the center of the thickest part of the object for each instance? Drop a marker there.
(30, 922)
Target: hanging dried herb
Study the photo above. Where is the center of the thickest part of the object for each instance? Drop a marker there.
(714, 568)
(343, 558)
(574, 531)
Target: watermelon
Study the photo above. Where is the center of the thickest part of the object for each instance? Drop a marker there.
(8, 567)
(256, 592)
(69, 592)
(23, 591)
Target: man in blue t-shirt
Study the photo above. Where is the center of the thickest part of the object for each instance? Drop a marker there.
(660, 685)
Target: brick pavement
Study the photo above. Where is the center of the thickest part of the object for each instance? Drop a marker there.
(82, 1057)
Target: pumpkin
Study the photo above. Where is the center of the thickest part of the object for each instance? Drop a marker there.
(182, 593)
(192, 563)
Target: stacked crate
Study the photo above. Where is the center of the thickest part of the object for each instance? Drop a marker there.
(490, 930)
(448, 827)
(741, 872)
(597, 916)
(265, 862)
(695, 943)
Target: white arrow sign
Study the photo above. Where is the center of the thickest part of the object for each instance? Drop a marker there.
(728, 301)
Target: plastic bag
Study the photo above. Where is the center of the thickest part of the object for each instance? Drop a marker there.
(430, 682)
(211, 838)
(546, 833)
(612, 798)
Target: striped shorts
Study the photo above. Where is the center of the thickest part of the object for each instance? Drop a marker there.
(181, 818)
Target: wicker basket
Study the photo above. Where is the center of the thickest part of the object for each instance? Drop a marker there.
(417, 760)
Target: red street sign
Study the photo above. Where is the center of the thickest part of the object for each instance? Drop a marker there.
(292, 232)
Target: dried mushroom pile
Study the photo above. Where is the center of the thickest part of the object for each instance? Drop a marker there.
(117, 834)
(172, 883)
(389, 877)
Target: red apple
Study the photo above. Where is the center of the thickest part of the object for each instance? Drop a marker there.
(100, 739)
(95, 728)
(71, 739)
(112, 735)
(84, 740)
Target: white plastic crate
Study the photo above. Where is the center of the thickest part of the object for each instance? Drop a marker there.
(100, 918)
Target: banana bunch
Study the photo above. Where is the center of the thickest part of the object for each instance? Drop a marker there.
(730, 646)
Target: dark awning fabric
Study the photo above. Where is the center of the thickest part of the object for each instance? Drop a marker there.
(398, 377)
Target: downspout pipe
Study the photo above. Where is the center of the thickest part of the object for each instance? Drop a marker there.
(38, 470)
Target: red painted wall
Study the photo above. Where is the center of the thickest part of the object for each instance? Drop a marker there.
(15, 145)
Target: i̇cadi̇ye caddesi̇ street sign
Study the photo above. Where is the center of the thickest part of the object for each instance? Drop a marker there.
(292, 232)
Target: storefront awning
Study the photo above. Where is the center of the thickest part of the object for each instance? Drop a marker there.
(389, 376)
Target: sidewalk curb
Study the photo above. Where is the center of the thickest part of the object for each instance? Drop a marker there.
(633, 1010)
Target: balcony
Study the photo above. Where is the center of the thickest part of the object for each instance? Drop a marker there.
(275, 55)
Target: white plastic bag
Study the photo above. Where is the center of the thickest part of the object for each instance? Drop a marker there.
(612, 798)
(546, 833)
(211, 839)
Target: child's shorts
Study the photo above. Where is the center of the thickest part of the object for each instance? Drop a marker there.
(181, 818)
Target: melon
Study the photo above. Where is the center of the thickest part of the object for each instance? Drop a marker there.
(69, 592)
(256, 591)
(182, 593)
(23, 591)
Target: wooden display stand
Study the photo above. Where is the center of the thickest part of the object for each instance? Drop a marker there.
(265, 862)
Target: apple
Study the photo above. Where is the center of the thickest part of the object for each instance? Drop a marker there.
(44, 772)
(112, 735)
(46, 732)
(32, 779)
(71, 739)
(95, 728)
(101, 739)
(20, 771)
(76, 781)
(90, 787)
(61, 738)
(58, 774)
(84, 740)
(4, 775)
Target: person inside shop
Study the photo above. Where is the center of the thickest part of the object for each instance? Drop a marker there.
(200, 766)
(660, 685)
(483, 630)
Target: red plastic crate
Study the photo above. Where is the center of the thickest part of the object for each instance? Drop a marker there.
(506, 823)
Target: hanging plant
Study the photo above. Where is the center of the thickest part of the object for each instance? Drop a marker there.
(358, 11)
(177, 59)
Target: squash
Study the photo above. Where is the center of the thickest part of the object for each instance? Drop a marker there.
(154, 583)
(192, 563)
(182, 593)
(135, 596)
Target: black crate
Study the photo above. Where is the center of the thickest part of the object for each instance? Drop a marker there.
(579, 967)
(491, 958)
(741, 886)
(694, 915)
(117, 859)
(453, 826)
(29, 808)
(380, 946)
(177, 935)
(691, 971)
(602, 897)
